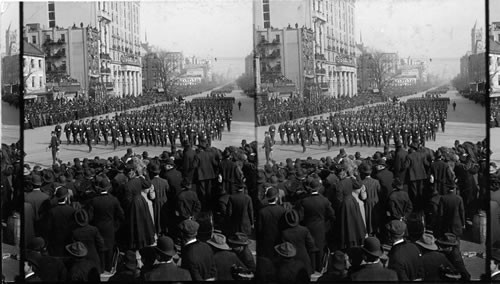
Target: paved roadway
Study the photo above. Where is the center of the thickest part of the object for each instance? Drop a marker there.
(467, 123)
(11, 132)
(36, 140)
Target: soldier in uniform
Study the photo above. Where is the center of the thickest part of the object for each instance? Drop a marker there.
(281, 130)
(272, 132)
(81, 131)
(328, 135)
(303, 137)
(58, 130)
(114, 136)
(67, 131)
(89, 136)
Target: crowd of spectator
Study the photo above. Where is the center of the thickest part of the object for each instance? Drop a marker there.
(396, 216)
(184, 215)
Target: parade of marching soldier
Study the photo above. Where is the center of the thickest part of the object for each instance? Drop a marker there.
(140, 141)
(372, 161)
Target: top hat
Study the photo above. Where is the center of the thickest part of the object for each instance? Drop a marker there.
(342, 153)
(372, 247)
(292, 218)
(77, 249)
(427, 241)
(218, 241)
(165, 246)
(286, 250)
(238, 239)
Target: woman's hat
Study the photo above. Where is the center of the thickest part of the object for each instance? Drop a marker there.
(77, 249)
(218, 241)
(292, 218)
(81, 217)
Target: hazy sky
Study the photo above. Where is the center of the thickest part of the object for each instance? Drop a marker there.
(494, 10)
(215, 28)
(10, 16)
(420, 28)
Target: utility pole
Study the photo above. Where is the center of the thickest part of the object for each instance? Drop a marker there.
(3, 8)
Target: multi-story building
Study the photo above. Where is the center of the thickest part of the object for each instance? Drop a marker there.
(477, 39)
(494, 67)
(332, 23)
(495, 31)
(285, 61)
(472, 64)
(72, 59)
(118, 26)
(33, 70)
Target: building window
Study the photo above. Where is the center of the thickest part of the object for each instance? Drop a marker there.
(33, 39)
(32, 63)
(33, 82)
(47, 37)
(40, 63)
(51, 6)
(41, 81)
(63, 37)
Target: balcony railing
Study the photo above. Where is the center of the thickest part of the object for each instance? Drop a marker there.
(105, 56)
(109, 85)
(319, 56)
(320, 71)
(106, 70)
(324, 86)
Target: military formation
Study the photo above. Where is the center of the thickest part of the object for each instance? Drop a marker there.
(202, 118)
(417, 120)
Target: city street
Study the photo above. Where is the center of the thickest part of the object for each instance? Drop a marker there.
(36, 140)
(467, 123)
(10, 124)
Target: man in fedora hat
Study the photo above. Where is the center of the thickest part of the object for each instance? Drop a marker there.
(337, 268)
(495, 264)
(372, 269)
(81, 269)
(268, 229)
(165, 269)
(404, 257)
(451, 212)
(54, 146)
(60, 223)
(239, 244)
(385, 177)
(317, 212)
(107, 215)
(89, 236)
(205, 164)
(36, 197)
(159, 203)
(399, 205)
(197, 257)
(240, 211)
(224, 257)
(301, 238)
(449, 246)
(416, 164)
(50, 268)
(435, 262)
(289, 269)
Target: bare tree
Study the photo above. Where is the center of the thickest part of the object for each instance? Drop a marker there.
(168, 72)
(383, 69)
(27, 72)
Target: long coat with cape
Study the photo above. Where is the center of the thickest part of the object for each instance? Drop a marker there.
(141, 229)
(352, 228)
